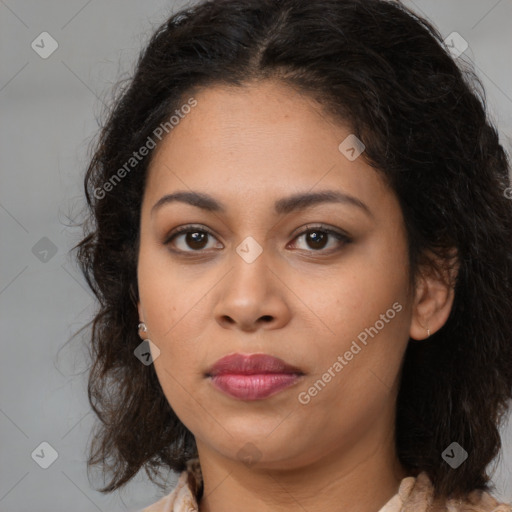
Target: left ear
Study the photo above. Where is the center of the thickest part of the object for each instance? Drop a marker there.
(433, 297)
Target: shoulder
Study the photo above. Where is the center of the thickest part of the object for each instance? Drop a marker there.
(184, 497)
(417, 496)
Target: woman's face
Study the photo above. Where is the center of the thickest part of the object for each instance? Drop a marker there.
(338, 309)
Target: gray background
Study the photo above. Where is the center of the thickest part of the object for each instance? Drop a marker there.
(49, 110)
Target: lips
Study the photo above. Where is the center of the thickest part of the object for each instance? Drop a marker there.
(252, 377)
(251, 365)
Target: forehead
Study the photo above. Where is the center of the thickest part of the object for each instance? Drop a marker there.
(256, 143)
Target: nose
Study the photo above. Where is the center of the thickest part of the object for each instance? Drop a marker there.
(252, 296)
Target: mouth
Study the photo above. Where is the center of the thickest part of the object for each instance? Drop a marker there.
(252, 377)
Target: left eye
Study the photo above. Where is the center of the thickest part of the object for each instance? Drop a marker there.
(196, 239)
(317, 237)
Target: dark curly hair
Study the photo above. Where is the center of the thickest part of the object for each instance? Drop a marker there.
(422, 116)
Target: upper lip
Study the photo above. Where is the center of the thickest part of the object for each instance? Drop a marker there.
(251, 364)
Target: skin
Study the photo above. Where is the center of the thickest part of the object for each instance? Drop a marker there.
(304, 303)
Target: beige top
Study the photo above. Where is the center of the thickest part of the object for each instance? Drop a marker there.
(414, 495)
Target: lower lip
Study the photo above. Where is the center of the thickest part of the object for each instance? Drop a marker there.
(253, 387)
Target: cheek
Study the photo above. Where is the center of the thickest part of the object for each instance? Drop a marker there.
(168, 294)
(367, 312)
(355, 298)
(171, 307)
(355, 373)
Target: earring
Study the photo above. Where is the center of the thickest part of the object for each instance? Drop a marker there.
(147, 351)
(428, 333)
(142, 327)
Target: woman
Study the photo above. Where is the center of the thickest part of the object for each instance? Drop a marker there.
(301, 210)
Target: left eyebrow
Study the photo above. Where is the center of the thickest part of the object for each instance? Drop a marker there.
(309, 199)
(282, 206)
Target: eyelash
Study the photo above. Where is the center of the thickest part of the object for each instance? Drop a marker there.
(341, 237)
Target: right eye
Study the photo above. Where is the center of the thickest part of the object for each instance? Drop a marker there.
(193, 237)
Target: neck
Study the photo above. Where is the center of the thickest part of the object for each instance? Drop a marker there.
(360, 479)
